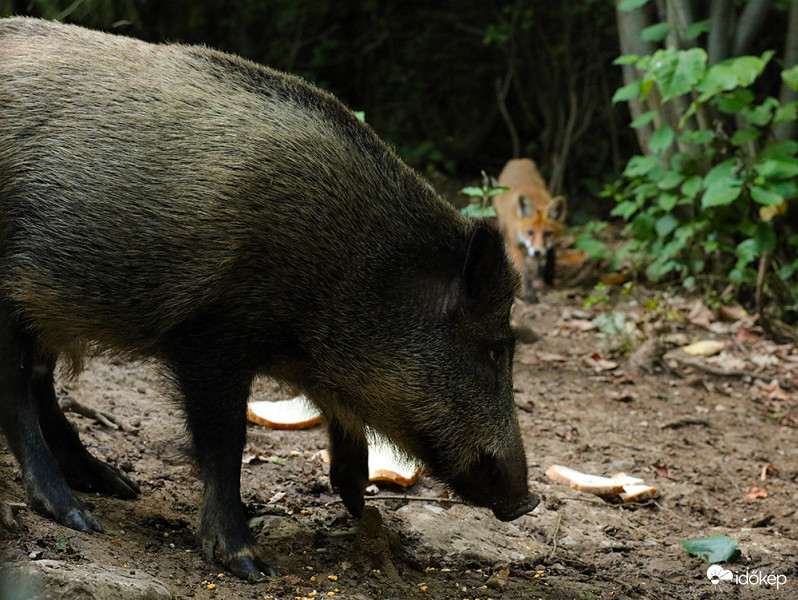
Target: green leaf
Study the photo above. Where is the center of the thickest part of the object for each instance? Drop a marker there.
(661, 139)
(644, 119)
(778, 168)
(472, 191)
(721, 192)
(677, 72)
(626, 59)
(624, 209)
(766, 197)
(765, 238)
(715, 549)
(744, 135)
(722, 170)
(631, 4)
(656, 33)
(734, 101)
(665, 225)
(670, 180)
(667, 202)
(627, 92)
(790, 77)
(696, 29)
(691, 187)
(640, 165)
(786, 113)
(747, 251)
(760, 115)
(477, 211)
(696, 138)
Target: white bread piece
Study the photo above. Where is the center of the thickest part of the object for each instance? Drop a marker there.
(296, 413)
(387, 464)
(627, 479)
(592, 484)
(637, 493)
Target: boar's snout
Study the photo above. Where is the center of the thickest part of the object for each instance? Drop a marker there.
(498, 484)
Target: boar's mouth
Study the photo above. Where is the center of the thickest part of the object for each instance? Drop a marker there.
(496, 484)
(510, 512)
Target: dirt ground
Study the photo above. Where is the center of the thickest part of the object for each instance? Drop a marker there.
(702, 430)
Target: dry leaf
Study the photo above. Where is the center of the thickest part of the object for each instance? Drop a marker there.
(755, 493)
(700, 315)
(704, 348)
(662, 471)
(765, 469)
(732, 313)
(498, 579)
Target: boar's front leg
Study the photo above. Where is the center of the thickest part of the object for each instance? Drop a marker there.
(47, 490)
(215, 402)
(349, 467)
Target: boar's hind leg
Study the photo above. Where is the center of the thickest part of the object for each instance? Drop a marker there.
(48, 492)
(215, 403)
(82, 471)
(349, 467)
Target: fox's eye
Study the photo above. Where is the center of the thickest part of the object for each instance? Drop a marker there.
(548, 234)
(530, 233)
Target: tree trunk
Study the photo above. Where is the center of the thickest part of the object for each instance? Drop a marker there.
(630, 24)
(789, 131)
(750, 25)
(720, 24)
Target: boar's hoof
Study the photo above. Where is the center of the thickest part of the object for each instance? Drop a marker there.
(247, 563)
(510, 512)
(81, 520)
(58, 503)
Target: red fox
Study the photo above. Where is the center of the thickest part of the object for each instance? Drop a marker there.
(530, 221)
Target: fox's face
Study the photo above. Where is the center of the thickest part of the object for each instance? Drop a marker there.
(536, 231)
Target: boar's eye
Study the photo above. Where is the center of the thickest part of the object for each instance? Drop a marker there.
(499, 355)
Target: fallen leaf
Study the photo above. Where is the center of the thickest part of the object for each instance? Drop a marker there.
(774, 391)
(715, 549)
(747, 336)
(704, 348)
(699, 314)
(498, 579)
(754, 493)
(732, 313)
(662, 471)
(765, 469)
(601, 364)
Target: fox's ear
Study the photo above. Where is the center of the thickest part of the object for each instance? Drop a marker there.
(525, 208)
(556, 209)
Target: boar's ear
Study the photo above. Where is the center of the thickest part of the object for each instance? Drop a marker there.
(486, 271)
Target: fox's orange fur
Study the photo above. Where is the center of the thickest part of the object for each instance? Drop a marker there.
(530, 220)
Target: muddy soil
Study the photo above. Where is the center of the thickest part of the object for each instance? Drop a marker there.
(585, 400)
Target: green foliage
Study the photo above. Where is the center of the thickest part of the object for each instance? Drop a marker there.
(713, 192)
(480, 199)
(715, 549)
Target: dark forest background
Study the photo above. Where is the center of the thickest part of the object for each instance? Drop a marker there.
(456, 86)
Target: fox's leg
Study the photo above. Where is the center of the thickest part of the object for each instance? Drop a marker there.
(549, 265)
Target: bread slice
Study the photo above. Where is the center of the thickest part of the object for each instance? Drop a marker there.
(592, 484)
(620, 487)
(296, 413)
(387, 464)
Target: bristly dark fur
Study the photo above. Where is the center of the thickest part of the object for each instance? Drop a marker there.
(229, 220)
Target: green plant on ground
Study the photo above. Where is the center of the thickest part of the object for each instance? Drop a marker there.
(715, 199)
